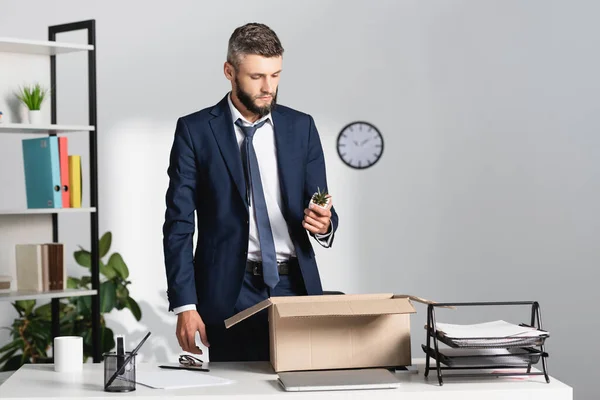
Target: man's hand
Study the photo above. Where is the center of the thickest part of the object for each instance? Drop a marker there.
(317, 219)
(188, 323)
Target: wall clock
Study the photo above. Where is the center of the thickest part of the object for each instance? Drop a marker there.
(360, 145)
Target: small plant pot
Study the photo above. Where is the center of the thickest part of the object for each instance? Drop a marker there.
(325, 207)
(35, 117)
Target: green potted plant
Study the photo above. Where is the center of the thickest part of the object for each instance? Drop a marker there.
(320, 198)
(33, 96)
(31, 330)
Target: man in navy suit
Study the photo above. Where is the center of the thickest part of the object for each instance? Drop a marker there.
(248, 168)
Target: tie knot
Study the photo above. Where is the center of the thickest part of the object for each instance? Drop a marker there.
(249, 131)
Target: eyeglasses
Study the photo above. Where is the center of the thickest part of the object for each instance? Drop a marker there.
(190, 361)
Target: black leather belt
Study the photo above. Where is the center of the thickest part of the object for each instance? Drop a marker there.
(283, 267)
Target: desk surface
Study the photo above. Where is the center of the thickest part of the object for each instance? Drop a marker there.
(257, 381)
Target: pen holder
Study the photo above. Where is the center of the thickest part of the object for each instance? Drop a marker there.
(125, 381)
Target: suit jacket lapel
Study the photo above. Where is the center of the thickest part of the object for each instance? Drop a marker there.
(285, 146)
(222, 127)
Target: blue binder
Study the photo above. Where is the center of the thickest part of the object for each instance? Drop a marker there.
(42, 172)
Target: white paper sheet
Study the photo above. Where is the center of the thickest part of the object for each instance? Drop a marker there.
(174, 379)
(494, 329)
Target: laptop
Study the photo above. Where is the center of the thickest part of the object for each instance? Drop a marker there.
(345, 379)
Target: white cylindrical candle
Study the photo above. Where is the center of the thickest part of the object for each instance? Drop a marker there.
(68, 353)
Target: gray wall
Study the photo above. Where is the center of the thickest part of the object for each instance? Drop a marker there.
(489, 183)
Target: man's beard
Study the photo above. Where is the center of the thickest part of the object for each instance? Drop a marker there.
(248, 101)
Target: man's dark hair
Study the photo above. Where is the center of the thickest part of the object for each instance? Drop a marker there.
(252, 38)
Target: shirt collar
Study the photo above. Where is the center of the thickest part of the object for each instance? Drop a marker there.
(235, 114)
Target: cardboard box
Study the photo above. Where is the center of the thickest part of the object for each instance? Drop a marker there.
(336, 331)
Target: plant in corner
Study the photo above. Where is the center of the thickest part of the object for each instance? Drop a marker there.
(31, 332)
(33, 96)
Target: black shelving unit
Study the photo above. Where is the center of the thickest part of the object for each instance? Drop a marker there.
(53, 31)
(50, 49)
(521, 353)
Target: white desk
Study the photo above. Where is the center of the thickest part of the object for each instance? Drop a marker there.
(257, 381)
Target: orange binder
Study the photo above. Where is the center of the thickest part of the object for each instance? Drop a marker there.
(64, 170)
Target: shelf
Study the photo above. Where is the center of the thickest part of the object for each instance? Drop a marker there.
(44, 129)
(40, 47)
(33, 295)
(47, 211)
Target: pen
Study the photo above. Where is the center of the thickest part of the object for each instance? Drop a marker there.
(120, 353)
(186, 368)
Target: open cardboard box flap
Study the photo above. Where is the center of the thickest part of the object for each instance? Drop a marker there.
(332, 305)
(345, 308)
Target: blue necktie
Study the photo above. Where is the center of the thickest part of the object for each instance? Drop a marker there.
(254, 191)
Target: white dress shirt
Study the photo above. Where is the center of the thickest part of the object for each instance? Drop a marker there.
(266, 154)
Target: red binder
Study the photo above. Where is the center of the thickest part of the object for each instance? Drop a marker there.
(63, 155)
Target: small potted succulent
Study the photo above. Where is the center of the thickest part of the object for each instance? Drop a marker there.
(33, 96)
(321, 199)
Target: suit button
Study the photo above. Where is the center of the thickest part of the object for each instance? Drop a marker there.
(247, 222)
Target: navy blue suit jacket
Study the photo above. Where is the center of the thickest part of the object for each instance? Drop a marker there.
(206, 176)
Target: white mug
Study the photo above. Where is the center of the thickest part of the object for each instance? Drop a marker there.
(68, 353)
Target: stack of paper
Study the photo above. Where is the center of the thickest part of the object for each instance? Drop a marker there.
(490, 334)
(495, 329)
(485, 357)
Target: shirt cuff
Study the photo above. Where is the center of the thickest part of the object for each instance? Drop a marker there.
(325, 239)
(186, 307)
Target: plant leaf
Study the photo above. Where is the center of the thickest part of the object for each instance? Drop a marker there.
(105, 243)
(40, 329)
(83, 258)
(122, 295)
(107, 270)
(84, 306)
(73, 283)
(13, 364)
(135, 308)
(8, 355)
(117, 263)
(107, 339)
(108, 296)
(26, 305)
(12, 345)
(120, 304)
(87, 336)
(122, 292)
(44, 311)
